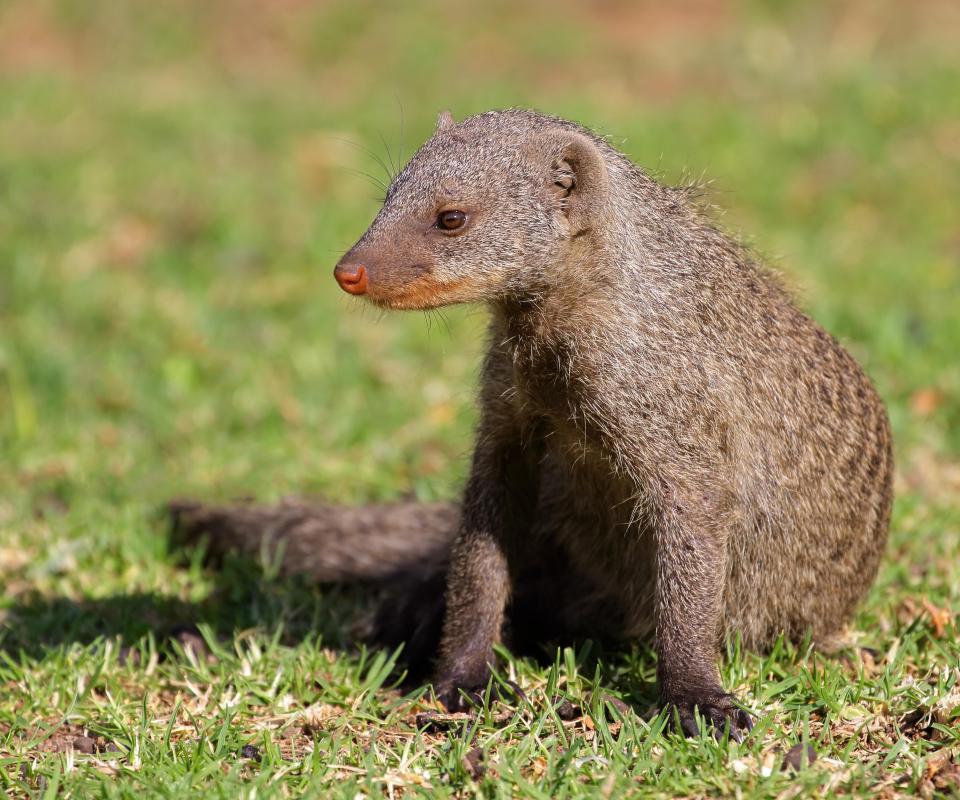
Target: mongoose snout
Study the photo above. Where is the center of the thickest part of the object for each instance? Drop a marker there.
(351, 277)
(395, 271)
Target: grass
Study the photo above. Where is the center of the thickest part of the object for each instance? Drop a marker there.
(177, 180)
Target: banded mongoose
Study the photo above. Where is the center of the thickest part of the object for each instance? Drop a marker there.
(666, 445)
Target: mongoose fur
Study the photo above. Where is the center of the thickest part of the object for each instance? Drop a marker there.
(666, 446)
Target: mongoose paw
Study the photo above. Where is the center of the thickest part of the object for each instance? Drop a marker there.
(718, 711)
(456, 695)
(459, 694)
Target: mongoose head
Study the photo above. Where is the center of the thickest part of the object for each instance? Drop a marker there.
(486, 209)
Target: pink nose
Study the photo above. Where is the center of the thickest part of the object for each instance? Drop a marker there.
(352, 278)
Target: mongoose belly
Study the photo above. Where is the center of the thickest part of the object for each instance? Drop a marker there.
(592, 514)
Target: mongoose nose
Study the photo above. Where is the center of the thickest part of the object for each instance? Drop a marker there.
(352, 278)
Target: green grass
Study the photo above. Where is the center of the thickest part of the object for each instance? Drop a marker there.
(174, 190)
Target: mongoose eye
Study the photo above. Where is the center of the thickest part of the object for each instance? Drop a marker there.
(451, 220)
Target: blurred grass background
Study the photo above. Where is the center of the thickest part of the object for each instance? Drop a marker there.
(177, 180)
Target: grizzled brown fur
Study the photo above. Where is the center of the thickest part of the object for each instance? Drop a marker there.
(657, 418)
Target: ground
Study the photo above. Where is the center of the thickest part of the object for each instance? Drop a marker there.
(177, 180)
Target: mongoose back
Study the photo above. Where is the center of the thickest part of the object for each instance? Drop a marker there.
(657, 418)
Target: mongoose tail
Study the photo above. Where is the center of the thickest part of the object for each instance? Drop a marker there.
(329, 543)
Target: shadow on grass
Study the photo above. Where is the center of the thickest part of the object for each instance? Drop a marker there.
(243, 597)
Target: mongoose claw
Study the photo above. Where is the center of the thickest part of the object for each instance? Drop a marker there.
(514, 687)
(719, 712)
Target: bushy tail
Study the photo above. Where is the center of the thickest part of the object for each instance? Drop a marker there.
(330, 543)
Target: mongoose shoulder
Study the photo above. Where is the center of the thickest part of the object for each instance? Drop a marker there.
(656, 414)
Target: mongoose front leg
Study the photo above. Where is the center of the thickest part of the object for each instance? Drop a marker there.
(496, 507)
(477, 592)
(691, 569)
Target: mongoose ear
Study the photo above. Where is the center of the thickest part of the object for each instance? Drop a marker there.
(445, 120)
(577, 177)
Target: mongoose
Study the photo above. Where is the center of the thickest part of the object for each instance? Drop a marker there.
(666, 445)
